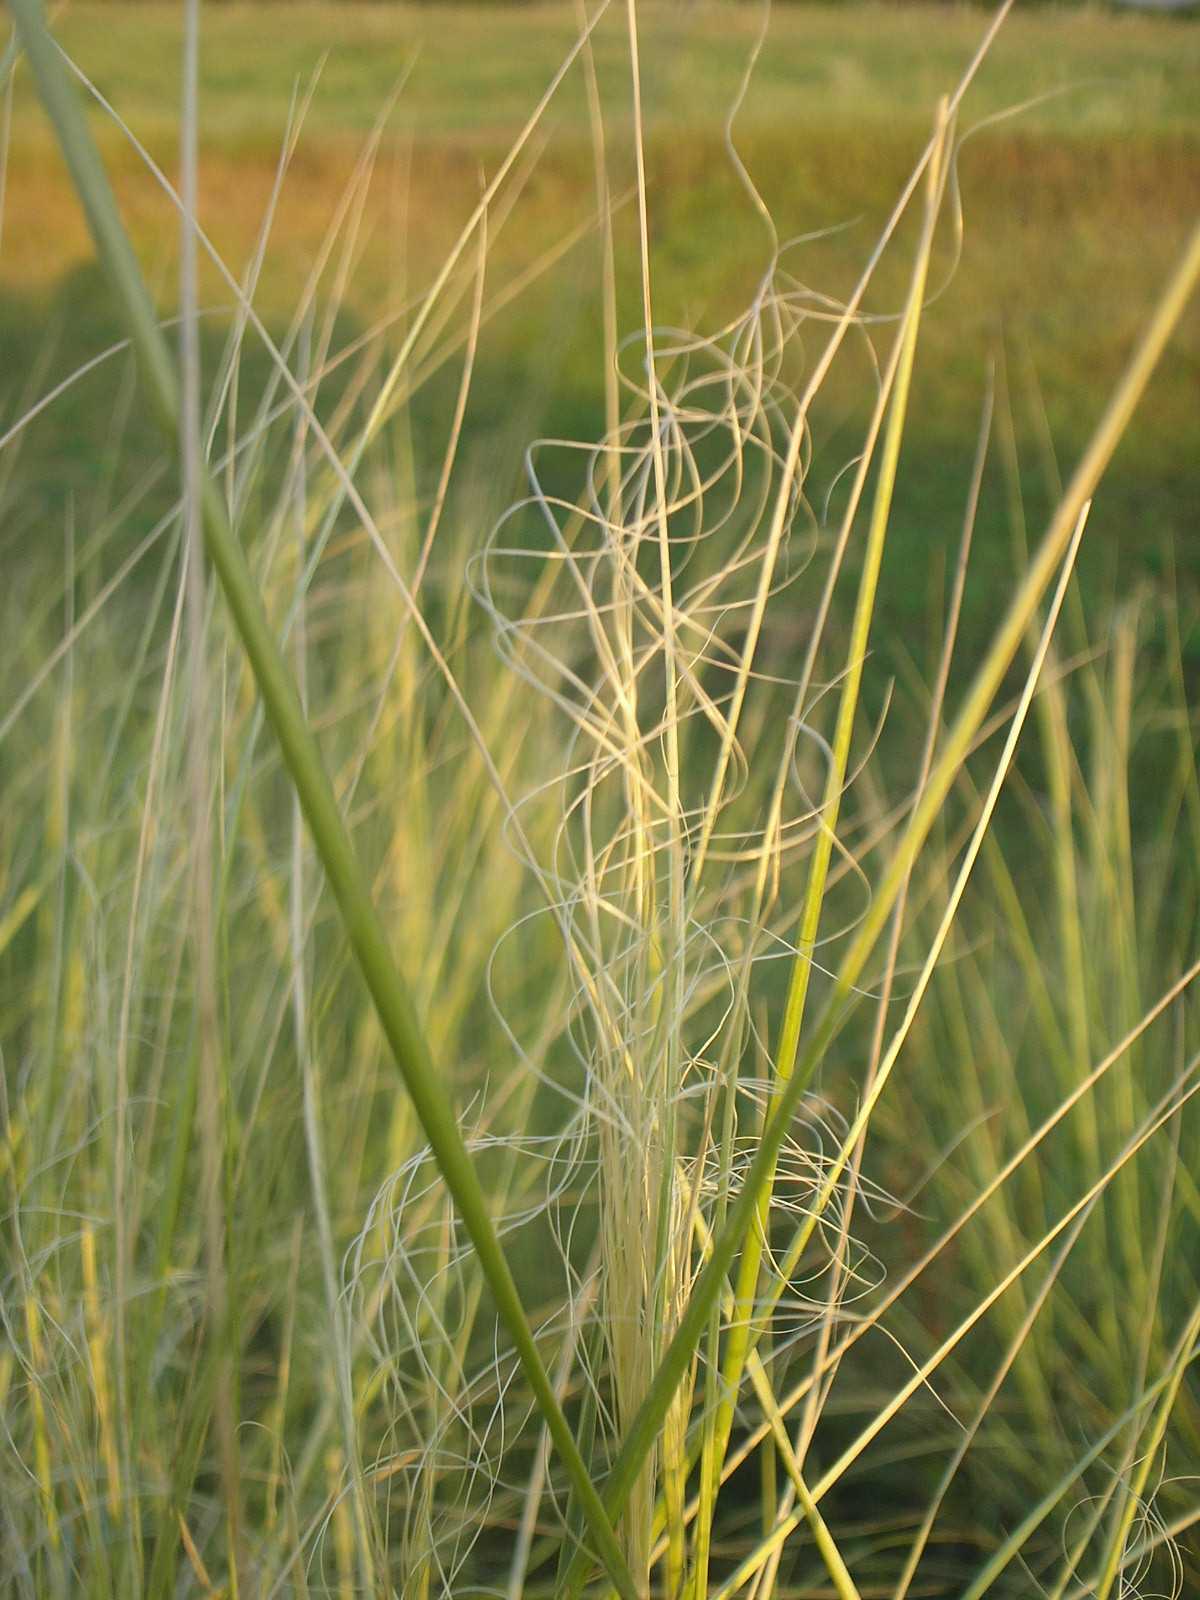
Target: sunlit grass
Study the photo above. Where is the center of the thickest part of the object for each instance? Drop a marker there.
(788, 1162)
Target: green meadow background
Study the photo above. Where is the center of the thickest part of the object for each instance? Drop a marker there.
(1078, 181)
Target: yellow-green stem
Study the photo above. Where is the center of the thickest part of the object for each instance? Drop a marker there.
(362, 923)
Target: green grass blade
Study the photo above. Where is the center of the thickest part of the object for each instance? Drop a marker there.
(302, 757)
(986, 684)
(1012, 1546)
(743, 1322)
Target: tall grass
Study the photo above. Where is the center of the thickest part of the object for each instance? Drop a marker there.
(786, 1183)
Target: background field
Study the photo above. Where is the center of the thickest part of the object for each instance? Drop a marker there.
(1074, 207)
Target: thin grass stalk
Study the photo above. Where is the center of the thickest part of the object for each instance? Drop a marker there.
(1102, 1505)
(764, 890)
(1167, 1385)
(346, 490)
(746, 1292)
(857, 1132)
(845, 321)
(1168, 1108)
(363, 927)
(1165, 1535)
(892, 955)
(803, 1388)
(208, 1029)
(658, 1319)
(608, 273)
(1152, 1294)
(1015, 1162)
(835, 1565)
(335, 1312)
(523, 1544)
(1111, 427)
(42, 1466)
(1168, 310)
(1150, 1448)
(971, 1432)
(97, 1337)
(387, 394)
(875, 1090)
(1075, 1053)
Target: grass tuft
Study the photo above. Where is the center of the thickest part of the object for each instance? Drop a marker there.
(787, 1184)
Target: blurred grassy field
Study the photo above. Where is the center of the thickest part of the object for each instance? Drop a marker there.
(1074, 208)
(478, 70)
